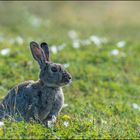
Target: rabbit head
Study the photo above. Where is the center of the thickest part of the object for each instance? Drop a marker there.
(51, 74)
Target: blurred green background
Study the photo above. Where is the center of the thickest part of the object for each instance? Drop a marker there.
(93, 17)
(98, 42)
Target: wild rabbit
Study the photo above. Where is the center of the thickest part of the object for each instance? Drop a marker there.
(40, 100)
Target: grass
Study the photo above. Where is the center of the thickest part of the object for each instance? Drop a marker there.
(104, 88)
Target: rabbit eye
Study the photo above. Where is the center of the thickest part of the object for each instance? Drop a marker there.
(54, 69)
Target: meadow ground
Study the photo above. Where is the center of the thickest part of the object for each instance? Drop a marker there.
(99, 44)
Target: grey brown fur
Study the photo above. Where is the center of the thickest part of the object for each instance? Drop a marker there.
(39, 100)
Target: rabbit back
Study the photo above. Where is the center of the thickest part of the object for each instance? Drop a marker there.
(32, 100)
(17, 100)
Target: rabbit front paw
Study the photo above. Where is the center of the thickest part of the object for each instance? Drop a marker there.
(52, 118)
(50, 121)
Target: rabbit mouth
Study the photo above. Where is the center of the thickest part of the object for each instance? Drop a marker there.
(66, 79)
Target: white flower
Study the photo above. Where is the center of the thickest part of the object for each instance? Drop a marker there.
(90, 120)
(1, 124)
(98, 40)
(72, 34)
(19, 40)
(85, 42)
(135, 106)
(114, 52)
(5, 51)
(76, 44)
(66, 65)
(103, 121)
(121, 44)
(54, 49)
(61, 47)
(66, 123)
(65, 105)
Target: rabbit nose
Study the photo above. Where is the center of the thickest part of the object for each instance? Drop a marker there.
(69, 77)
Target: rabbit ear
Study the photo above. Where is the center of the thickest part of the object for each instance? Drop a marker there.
(37, 53)
(45, 48)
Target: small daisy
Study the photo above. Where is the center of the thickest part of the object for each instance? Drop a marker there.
(76, 44)
(5, 52)
(103, 121)
(65, 105)
(19, 40)
(121, 44)
(115, 52)
(1, 124)
(135, 106)
(86, 42)
(72, 34)
(66, 123)
(66, 65)
(54, 49)
(96, 40)
(61, 47)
